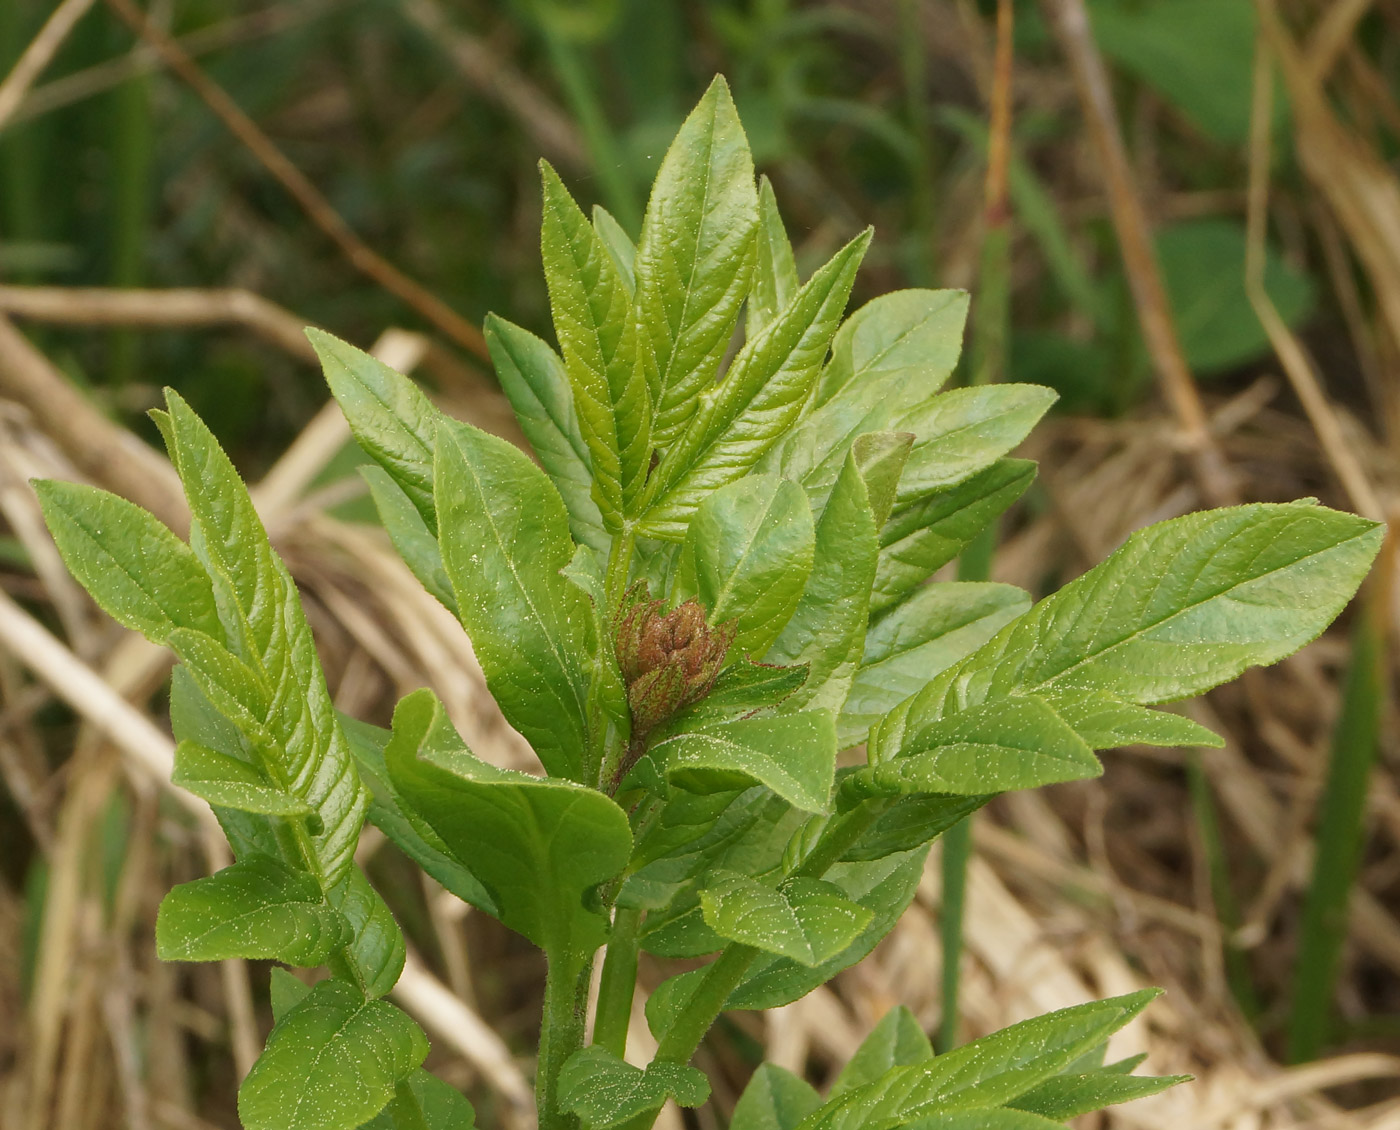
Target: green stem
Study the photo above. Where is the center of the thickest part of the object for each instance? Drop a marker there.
(705, 1004)
(957, 846)
(618, 983)
(838, 838)
(561, 1033)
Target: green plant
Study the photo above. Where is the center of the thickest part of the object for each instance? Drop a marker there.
(713, 585)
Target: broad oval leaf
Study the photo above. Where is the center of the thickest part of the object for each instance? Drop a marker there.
(775, 1099)
(747, 556)
(807, 920)
(257, 908)
(695, 257)
(504, 538)
(606, 1091)
(425, 1102)
(538, 846)
(331, 1063)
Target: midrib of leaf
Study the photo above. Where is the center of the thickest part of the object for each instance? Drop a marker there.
(1142, 629)
(245, 915)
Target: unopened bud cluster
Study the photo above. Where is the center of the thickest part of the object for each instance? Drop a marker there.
(669, 660)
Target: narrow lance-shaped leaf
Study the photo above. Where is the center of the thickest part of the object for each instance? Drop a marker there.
(413, 539)
(231, 782)
(537, 386)
(695, 257)
(775, 278)
(331, 1063)
(504, 540)
(591, 306)
(760, 397)
(619, 245)
(898, 1040)
(302, 747)
(135, 568)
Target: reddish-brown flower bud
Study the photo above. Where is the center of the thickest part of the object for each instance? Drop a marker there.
(668, 660)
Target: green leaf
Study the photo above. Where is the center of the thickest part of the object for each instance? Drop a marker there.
(505, 538)
(998, 1118)
(231, 782)
(1183, 606)
(807, 920)
(619, 245)
(425, 1102)
(1105, 722)
(898, 1040)
(793, 754)
(538, 846)
(915, 640)
(695, 257)
(965, 431)
(390, 416)
(1203, 269)
(270, 648)
(1014, 743)
(775, 278)
(413, 835)
(534, 380)
(1068, 1096)
(606, 1091)
(258, 908)
(606, 686)
(906, 342)
(775, 1099)
(141, 574)
(742, 689)
(989, 1072)
(592, 318)
(747, 556)
(286, 992)
(828, 626)
(760, 397)
(331, 1063)
(376, 949)
(925, 534)
(412, 538)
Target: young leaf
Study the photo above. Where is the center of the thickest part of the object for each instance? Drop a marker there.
(414, 542)
(794, 755)
(591, 306)
(390, 416)
(912, 336)
(743, 688)
(898, 1040)
(914, 641)
(775, 1099)
(231, 782)
(606, 1091)
(1068, 1096)
(695, 257)
(807, 920)
(1104, 722)
(1014, 743)
(619, 245)
(376, 948)
(987, 1073)
(331, 1063)
(761, 396)
(747, 556)
(828, 626)
(258, 908)
(504, 540)
(1183, 606)
(925, 534)
(141, 574)
(534, 380)
(538, 846)
(425, 1102)
(299, 740)
(911, 822)
(775, 278)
